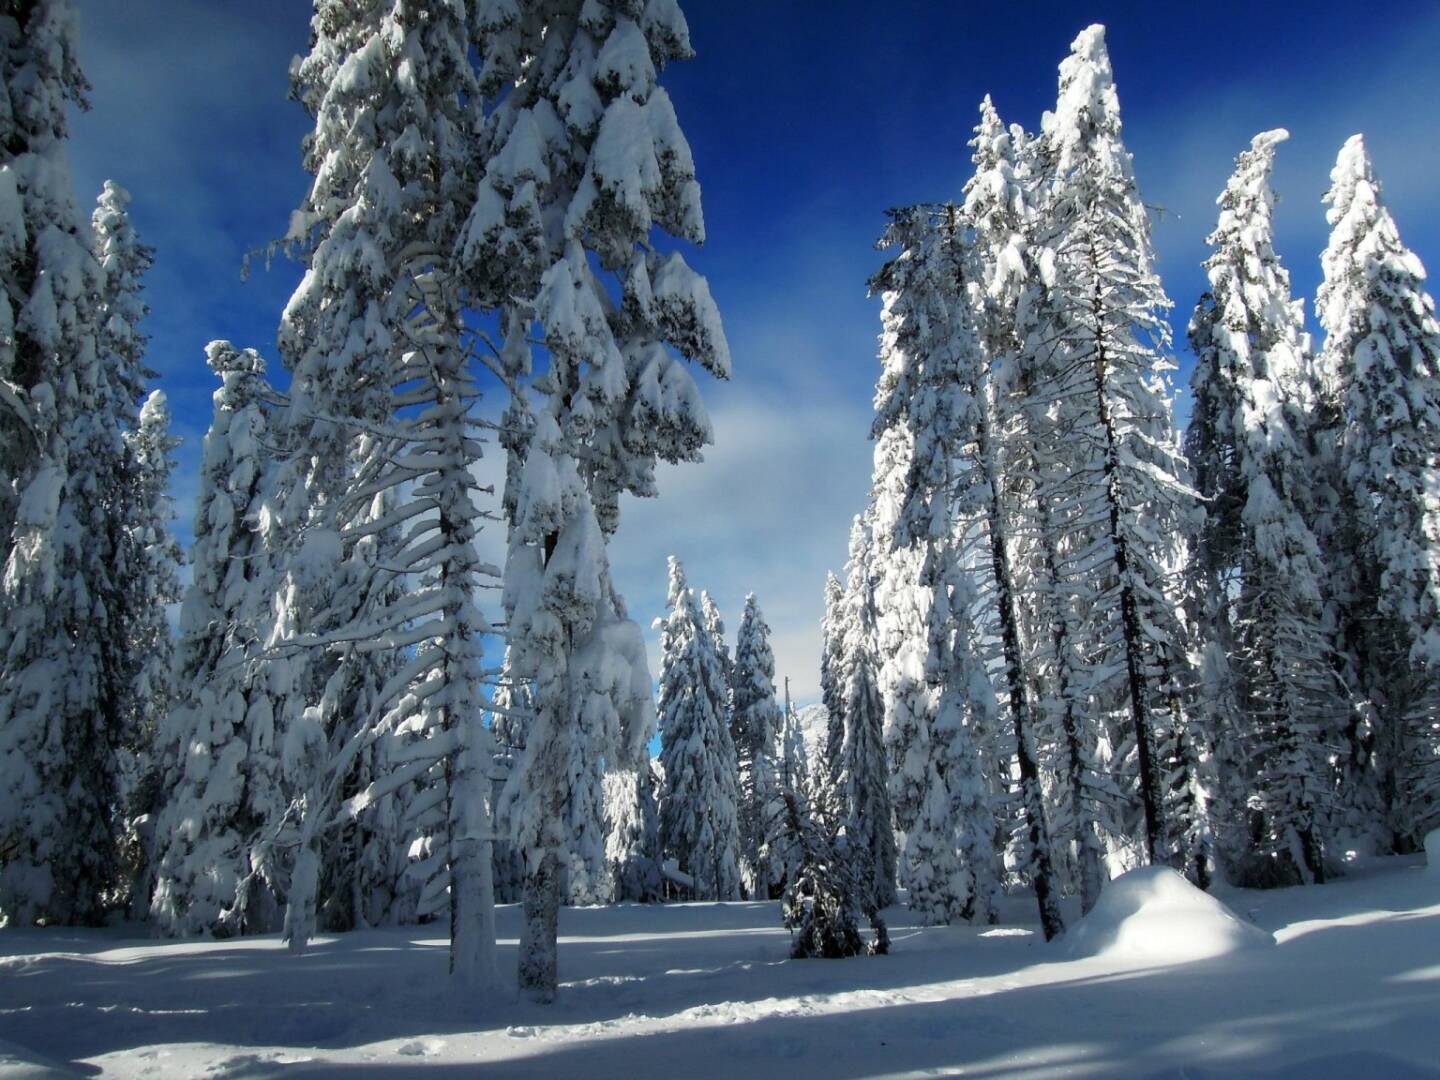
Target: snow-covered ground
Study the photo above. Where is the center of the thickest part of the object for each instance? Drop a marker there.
(1351, 988)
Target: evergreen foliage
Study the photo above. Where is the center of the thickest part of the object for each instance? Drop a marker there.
(698, 802)
(1379, 427)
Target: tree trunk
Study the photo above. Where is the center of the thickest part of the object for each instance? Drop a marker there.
(540, 932)
(1032, 797)
(1132, 636)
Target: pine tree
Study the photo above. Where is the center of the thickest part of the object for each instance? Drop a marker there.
(756, 726)
(585, 161)
(632, 846)
(1261, 567)
(510, 712)
(901, 598)
(1013, 442)
(219, 755)
(1100, 334)
(698, 803)
(830, 691)
(143, 559)
(949, 512)
(62, 680)
(868, 825)
(39, 316)
(1380, 426)
(154, 585)
(824, 899)
(377, 633)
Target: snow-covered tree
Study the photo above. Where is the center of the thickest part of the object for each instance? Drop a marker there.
(632, 843)
(824, 899)
(1261, 567)
(132, 471)
(1099, 333)
(755, 726)
(833, 752)
(699, 800)
(153, 586)
(1380, 424)
(901, 597)
(795, 756)
(40, 316)
(219, 760)
(1008, 429)
(948, 511)
(63, 401)
(376, 635)
(869, 828)
(586, 165)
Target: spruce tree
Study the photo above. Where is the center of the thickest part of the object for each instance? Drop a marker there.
(63, 402)
(950, 512)
(144, 558)
(1262, 570)
(869, 829)
(1099, 333)
(377, 638)
(153, 585)
(833, 757)
(1011, 430)
(632, 844)
(901, 598)
(1379, 420)
(219, 757)
(756, 726)
(698, 802)
(586, 166)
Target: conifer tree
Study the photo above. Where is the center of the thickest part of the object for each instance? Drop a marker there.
(219, 757)
(1011, 426)
(585, 161)
(1245, 445)
(62, 684)
(1100, 334)
(39, 312)
(153, 585)
(144, 559)
(632, 843)
(1380, 425)
(868, 823)
(756, 726)
(698, 803)
(376, 630)
(830, 692)
(950, 502)
(901, 597)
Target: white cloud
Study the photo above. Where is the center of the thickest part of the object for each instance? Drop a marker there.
(768, 511)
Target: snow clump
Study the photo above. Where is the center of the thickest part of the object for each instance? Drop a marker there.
(1154, 915)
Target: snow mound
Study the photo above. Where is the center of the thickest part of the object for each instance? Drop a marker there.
(1154, 915)
(1432, 854)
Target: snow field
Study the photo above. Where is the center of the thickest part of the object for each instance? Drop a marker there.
(705, 990)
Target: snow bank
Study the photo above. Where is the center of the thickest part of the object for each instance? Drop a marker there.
(1154, 915)
(1432, 854)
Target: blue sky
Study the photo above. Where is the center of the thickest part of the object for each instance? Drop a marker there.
(807, 120)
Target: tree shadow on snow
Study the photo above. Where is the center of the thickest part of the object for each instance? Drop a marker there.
(746, 1008)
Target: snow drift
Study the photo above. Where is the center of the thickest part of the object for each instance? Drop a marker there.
(1154, 915)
